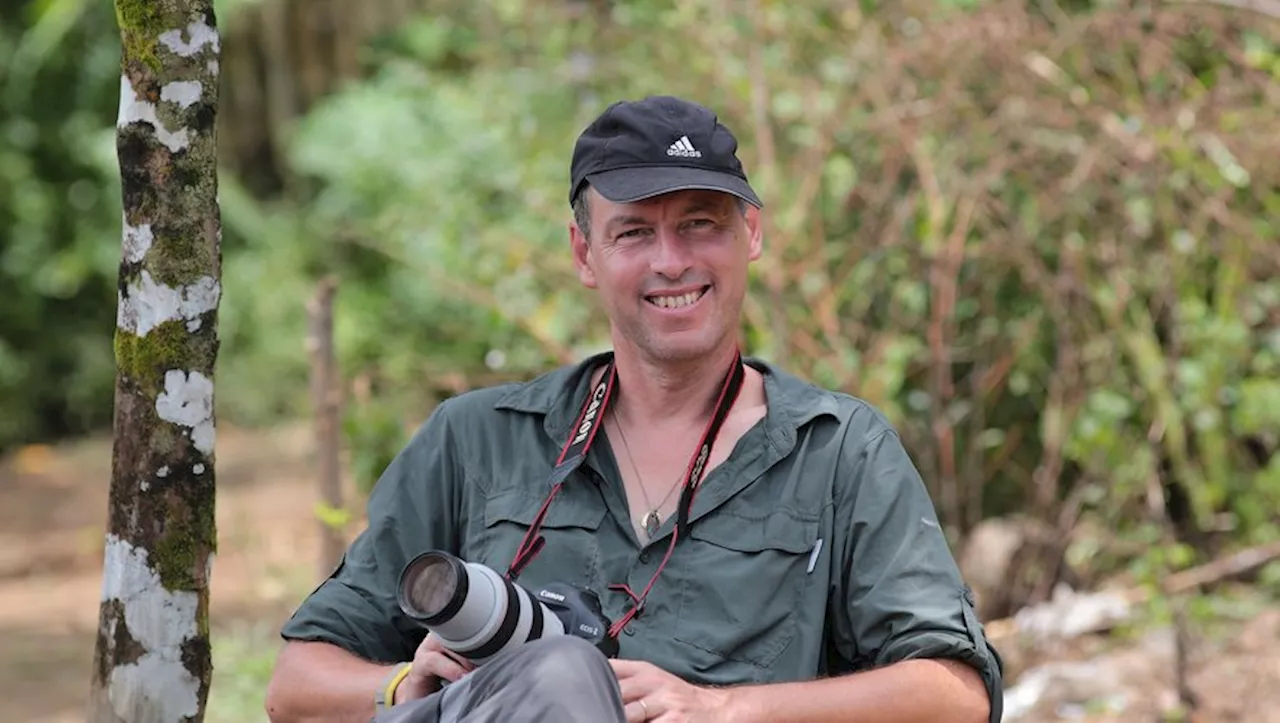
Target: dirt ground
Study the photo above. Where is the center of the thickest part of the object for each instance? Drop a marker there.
(1232, 672)
(52, 512)
(52, 518)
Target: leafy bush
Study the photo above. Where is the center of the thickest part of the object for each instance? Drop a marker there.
(59, 78)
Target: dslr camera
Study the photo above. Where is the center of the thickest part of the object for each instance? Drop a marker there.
(479, 614)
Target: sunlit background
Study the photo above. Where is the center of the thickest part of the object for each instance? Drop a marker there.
(1043, 237)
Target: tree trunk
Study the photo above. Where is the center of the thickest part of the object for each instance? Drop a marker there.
(152, 659)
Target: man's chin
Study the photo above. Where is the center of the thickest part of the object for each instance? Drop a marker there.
(681, 348)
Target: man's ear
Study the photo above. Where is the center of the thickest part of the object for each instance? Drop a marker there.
(755, 232)
(581, 247)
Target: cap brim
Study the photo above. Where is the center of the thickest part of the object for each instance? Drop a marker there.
(628, 185)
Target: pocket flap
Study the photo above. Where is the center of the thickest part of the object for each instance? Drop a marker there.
(519, 507)
(780, 530)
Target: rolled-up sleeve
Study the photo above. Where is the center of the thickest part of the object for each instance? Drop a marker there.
(900, 595)
(411, 509)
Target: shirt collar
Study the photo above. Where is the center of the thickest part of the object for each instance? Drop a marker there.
(558, 396)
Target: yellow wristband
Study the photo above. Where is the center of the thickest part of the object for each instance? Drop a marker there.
(397, 676)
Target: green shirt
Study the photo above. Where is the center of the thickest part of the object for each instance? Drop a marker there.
(814, 548)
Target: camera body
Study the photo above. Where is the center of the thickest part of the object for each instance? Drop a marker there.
(580, 613)
(479, 614)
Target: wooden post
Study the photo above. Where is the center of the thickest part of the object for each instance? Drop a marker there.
(326, 395)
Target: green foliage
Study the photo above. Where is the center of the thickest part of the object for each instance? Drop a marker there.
(1269, 579)
(262, 364)
(59, 80)
(243, 661)
(332, 517)
(376, 433)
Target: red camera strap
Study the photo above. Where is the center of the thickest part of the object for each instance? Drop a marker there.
(589, 422)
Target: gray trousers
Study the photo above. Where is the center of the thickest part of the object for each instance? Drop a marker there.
(560, 679)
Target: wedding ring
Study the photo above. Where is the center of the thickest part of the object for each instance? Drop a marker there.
(644, 708)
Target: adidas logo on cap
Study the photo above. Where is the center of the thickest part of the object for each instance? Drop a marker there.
(684, 149)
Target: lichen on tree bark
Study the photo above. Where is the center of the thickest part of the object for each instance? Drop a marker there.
(152, 659)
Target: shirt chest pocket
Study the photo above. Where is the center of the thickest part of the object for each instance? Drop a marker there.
(571, 553)
(742, 579)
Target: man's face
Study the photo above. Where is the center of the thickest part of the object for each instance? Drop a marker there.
(671, 270)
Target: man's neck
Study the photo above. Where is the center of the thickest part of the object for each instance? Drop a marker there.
(662, 394)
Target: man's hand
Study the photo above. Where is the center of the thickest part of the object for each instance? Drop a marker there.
(649, 693)
(432, 663)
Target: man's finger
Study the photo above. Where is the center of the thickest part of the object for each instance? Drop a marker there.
(637, 713)
(636, 687)
(461, 660)
(433, 643)
(627, 668)
(633, 712)
(440, 666)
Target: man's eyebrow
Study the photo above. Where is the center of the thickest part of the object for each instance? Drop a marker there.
(617, 221)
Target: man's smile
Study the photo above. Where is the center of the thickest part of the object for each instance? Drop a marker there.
(679, 300)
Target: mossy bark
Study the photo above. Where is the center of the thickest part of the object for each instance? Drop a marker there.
(161, 531)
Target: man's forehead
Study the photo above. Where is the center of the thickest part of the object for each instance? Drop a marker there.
(684, 200)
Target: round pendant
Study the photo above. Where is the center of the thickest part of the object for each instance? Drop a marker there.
(651, 523)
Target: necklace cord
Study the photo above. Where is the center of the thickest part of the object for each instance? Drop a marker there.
(652, 509)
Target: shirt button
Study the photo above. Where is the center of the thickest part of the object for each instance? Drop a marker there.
(644, 558)
(629, 630)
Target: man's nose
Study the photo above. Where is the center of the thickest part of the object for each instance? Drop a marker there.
(672, 256)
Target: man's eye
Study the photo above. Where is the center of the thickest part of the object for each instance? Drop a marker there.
(631, 233)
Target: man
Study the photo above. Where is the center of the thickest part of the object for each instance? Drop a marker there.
(796, 572)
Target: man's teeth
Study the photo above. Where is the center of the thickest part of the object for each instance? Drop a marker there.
(675, 302)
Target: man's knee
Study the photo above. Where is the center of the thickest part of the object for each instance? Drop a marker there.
(561, 678)
(562, 660)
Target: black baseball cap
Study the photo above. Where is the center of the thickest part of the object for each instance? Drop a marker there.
(640, 149)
